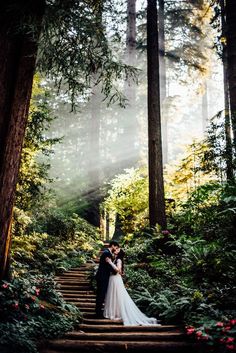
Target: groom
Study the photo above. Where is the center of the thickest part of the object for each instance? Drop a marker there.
(102, 277)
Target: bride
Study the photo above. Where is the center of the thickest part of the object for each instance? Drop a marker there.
(118, 304)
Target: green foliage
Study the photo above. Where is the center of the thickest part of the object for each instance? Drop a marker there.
(69, 26)
(32, 309)
(128, 197)
(55, 251)
(177, 305)
(218, 335)
(33, 176)
(196, 283)
(209, 211)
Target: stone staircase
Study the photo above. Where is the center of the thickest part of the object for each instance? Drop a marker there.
(104, 336)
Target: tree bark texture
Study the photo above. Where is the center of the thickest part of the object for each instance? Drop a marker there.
(205, 109)
(17, 61)
(162, 64)
(131, 32)
(230, 11)
(94, 158)
(228, 127)
(156, 183)
(128, 138)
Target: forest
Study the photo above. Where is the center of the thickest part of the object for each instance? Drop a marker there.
(118, 122)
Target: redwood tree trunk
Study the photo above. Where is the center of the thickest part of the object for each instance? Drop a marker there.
(156, 183)
(164, 116)
(17, 61)
(205, 108)
(231, 60)
(128, 138)
(228, 129)
(94, 158)
(131, 32)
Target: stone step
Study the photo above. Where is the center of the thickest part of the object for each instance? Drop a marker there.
(74, 282)
(101, 322)
(74, 273)
(88, 314)
(78, 291)
(126, 336)
(80, 305)
(73, 287)
(84, 281)
(80, 301)
(72, 278)
(86, 270)
(86, 310)
(120, 328)
(82, 294)
(62, 345)
(90, 299)
(83, 305)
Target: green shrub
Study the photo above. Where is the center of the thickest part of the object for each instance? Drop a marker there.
(32, 309)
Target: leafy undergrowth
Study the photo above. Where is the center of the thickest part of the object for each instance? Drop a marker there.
(53, 254)
(31, 309)
(220, 336)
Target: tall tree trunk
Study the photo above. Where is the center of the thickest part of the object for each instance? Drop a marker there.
(204, 109)
(156, 183)
(161, 22)
(17, 61)
(131, 32)
(228, 128)
(93, 158)
(128, 138)
(230, 11)
(94, 128)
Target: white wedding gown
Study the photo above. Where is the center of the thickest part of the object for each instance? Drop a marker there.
(119, 305)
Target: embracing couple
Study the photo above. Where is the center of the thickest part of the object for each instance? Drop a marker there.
(111, 291)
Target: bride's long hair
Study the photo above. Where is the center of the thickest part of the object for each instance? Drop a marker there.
(121, 256)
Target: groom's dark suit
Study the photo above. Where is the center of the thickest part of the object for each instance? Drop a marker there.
(102, 277)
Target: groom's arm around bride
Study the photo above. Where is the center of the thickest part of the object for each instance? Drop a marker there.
(102, 276)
